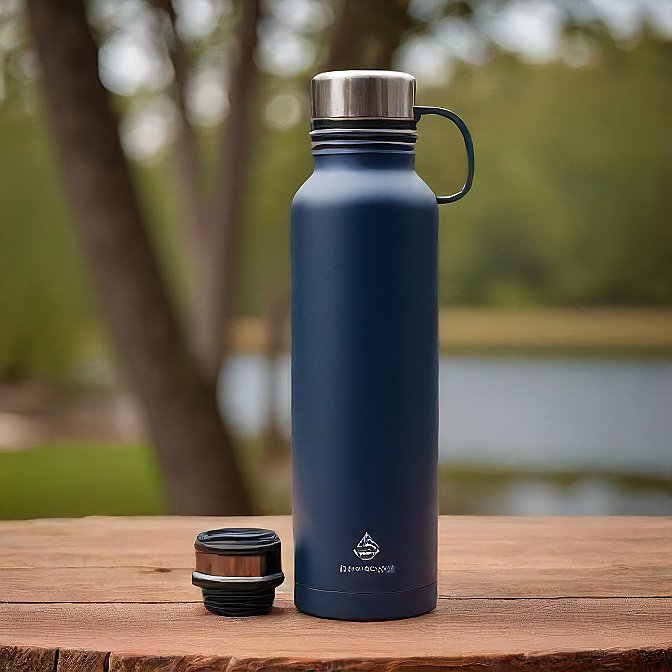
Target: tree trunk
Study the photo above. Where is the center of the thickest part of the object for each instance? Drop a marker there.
(190, 197)
(194, 450)
(366, 34)
(275, 445)
(392, 22)
(215, 294)
(345, 49)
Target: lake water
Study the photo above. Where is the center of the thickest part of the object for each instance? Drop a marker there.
(600, 417)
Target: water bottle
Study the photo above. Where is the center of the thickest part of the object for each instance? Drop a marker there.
(364, 300)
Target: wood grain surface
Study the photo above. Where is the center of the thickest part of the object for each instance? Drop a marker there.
(114, 594)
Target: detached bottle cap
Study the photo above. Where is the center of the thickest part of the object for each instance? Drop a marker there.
(363, 94)
(238, 569)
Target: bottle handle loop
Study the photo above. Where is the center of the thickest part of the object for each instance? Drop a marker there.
(418, 112)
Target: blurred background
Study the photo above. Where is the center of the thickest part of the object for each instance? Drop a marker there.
(144, 274)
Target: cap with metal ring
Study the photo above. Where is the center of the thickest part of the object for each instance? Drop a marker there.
(363, 94)
(360, 108)
(238, 569)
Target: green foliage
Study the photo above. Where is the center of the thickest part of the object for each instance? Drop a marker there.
(69, 480)
(571, 201)
(44, 295)
(570, 205)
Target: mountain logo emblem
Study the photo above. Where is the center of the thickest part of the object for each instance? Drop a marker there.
(367, 548)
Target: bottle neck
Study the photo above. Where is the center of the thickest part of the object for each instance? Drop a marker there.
(371, 157)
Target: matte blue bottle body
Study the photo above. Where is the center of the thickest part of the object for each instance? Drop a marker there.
(364, 386)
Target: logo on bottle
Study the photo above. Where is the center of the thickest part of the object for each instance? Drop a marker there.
(367, 548)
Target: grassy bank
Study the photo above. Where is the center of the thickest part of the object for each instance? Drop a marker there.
(64, 480)
(590, 331)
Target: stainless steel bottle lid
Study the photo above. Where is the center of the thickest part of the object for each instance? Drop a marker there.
(367, 94)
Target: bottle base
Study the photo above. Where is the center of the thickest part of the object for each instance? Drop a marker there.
(365, 606)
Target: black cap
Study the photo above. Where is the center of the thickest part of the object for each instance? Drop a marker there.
(238, 569)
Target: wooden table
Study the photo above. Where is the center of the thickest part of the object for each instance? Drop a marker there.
(114, 594)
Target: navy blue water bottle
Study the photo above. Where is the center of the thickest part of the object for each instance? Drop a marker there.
(365, 354)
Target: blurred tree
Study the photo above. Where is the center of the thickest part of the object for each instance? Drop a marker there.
(193, 446)
(212, 224)
(276, 317)
(367, 34)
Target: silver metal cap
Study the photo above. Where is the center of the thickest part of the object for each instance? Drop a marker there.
(370, 94)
